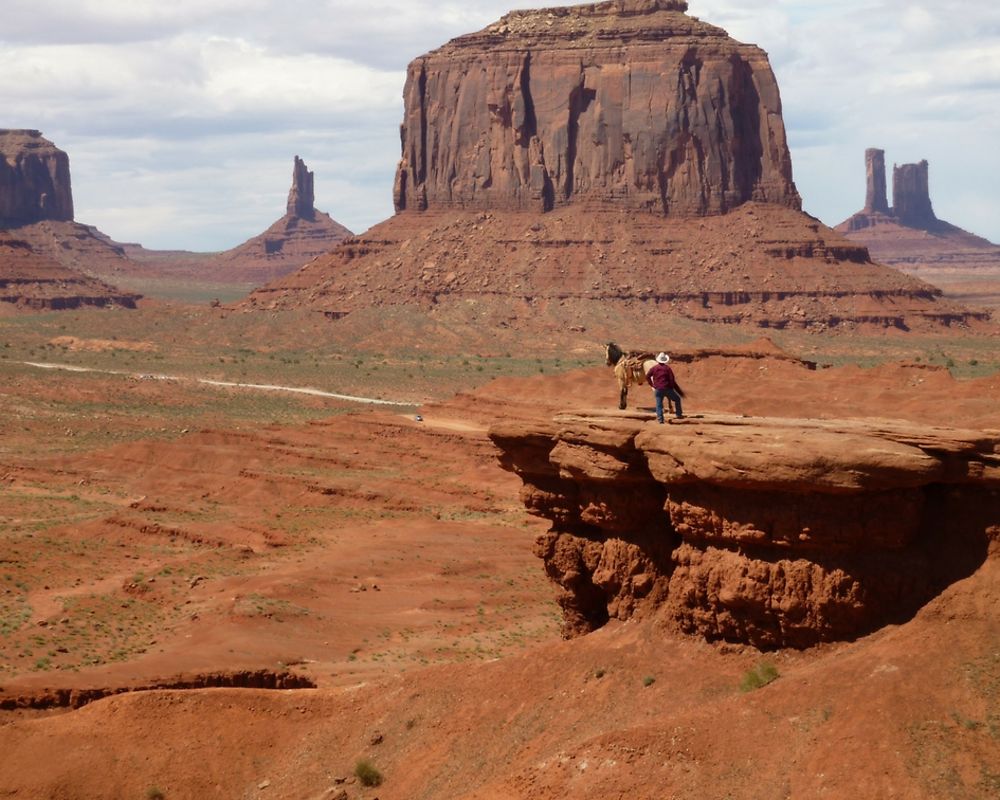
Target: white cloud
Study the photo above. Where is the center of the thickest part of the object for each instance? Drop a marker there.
(181, 118)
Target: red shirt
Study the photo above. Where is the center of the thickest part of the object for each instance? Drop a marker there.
(661, 377)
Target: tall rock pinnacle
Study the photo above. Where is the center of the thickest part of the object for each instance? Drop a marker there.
(301, 197)
(34, 179)
(911, 199)
(875, 199)
(630, 103)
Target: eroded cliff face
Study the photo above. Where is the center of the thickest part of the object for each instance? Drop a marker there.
(772, 532)
(631, 102)
(34, 179)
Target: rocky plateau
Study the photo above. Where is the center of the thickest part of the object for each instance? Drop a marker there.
(766, 531)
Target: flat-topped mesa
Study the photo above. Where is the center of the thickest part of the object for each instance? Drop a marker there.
(630, 102)
(301, 198)
(911, 199)
(34, 179)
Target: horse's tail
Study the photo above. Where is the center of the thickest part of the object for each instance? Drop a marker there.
(680, 391)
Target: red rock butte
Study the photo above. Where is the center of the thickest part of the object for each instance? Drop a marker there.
(909, 236)
(622, 153)
(630, 102)
(34, 179)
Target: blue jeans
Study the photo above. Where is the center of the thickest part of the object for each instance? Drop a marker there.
(659, 394)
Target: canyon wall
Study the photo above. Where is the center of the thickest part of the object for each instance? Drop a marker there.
(772, 532)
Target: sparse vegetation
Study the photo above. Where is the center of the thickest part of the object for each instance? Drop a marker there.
(155, 793)
(761, 675)
(367, 773)
(649, 680)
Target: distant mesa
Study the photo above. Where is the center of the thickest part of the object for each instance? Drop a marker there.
(910, 193)
(617, 157)
(34, 179)
(44, 254)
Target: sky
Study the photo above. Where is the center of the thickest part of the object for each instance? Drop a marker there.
(181, 119)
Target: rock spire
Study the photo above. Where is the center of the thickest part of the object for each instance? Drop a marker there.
(875, 199)
(301, 197)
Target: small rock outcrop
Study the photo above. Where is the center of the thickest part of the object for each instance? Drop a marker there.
(772, 532)
(34, 179)
(630, 102)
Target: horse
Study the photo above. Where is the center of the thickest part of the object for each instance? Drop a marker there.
(631, 367)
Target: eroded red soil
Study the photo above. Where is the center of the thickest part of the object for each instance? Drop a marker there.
(262, 547)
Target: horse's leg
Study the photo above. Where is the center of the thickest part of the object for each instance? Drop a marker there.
(623, 397)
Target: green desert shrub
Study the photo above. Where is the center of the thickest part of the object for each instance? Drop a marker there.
(761, 675)
(366, 772)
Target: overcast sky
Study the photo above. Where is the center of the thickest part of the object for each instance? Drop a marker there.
(181, 118)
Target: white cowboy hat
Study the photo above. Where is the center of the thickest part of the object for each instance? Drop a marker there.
(663, 358)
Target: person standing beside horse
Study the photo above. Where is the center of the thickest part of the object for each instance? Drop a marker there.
(664, 384)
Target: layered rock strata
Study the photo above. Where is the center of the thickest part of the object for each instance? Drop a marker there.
(762, 265)
(34, 179)
(31, 281)
(630, 102)
(773, 532)
(621, 155)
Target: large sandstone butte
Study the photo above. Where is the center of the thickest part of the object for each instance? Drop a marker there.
(47, 260)
(36, 204)
(773, 532)
(34, 179)
(622, 155)
(909, 236)
(630, 102)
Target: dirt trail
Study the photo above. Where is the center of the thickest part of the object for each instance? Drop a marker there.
(264, 387)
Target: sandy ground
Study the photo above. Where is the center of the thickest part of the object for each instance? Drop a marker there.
(388, 562)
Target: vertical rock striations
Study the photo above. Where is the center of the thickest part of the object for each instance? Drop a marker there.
(772, 532)
(875, 199)
(300, 196)
(630, 102)
(34, 179)
(911, 199)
